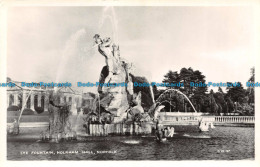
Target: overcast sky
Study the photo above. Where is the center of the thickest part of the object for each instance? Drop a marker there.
(55, 43)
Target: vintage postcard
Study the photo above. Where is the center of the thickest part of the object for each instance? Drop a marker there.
(114, 81)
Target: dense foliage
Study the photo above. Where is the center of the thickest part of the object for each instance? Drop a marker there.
(236, 99)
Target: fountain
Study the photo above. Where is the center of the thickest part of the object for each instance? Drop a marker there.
(159, 98)
(60, 120)
(116, 106)
(124, 103)
(64, 124)
(114, 110)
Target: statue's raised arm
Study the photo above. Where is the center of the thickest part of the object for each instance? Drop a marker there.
(106, 42)
(105, 49)
(102, 43)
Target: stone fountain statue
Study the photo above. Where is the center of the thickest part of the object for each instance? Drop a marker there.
(114, 99)
(111, 54)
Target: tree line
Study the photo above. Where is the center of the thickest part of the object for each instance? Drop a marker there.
(236, 99)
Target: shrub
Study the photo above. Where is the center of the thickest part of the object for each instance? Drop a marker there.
(28, 111)
(13, 108)
(39, 110)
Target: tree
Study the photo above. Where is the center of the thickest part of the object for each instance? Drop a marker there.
(251, 90)
(252, 77)
(220, 90)
(220, 100)
(237, 93)
(230, 104)
(171, 77)
(185, 77)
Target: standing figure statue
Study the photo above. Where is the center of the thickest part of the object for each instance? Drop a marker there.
(106, 49)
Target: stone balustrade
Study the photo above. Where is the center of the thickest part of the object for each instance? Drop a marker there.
(215, 119)
(234, 119)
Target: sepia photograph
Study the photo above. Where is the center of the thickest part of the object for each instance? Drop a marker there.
(131, 83)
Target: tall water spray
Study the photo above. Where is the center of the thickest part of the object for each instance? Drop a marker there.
(69, 50)
(179, 93)
(109, 13)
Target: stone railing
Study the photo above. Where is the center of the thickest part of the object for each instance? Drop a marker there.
(234, 119)
(183, 120)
